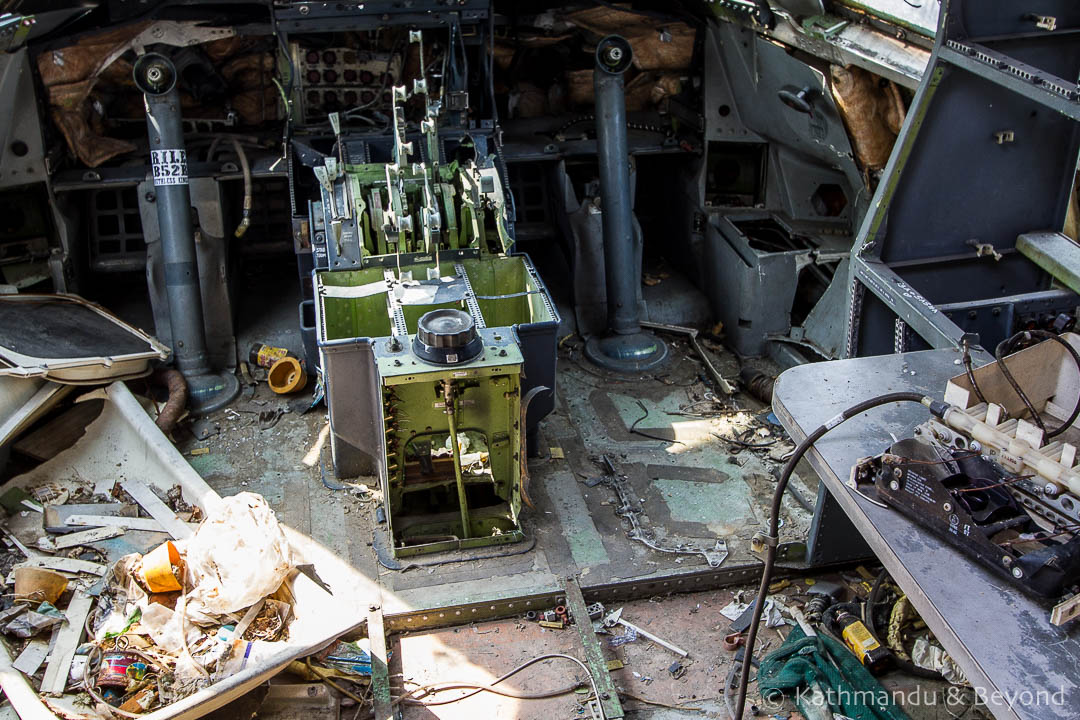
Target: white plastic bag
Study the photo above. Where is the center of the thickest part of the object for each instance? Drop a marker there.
(238, 556)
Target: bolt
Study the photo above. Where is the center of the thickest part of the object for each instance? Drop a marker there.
(947, 507)
(894, 485)
(605, 696)
(614, 54)
(898, 472)
(150, 197)
(1017, 572)
(1006, 561)
(304, 9)
(1051, 490)
(372, 607)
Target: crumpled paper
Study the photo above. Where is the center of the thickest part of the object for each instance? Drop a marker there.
(238, 556)
(164, 628)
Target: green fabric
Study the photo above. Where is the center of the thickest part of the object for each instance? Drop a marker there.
(849, 687)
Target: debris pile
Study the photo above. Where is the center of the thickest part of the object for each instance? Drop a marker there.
(159, 626)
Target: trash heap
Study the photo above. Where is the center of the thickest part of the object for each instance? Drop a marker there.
(160, 626)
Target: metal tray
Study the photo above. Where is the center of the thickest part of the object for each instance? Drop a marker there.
(68, 340)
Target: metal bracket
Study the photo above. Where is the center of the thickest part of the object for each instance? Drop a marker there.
(594, 654)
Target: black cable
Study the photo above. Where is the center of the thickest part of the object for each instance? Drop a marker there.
(971, 373)
(868, 620)
(742, 443)
(642, 433)
(1005, 346)
(772, 539)
(828, 617)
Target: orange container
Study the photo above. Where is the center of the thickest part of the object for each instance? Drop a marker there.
(160, 567)
(286, 376)
(37, 585)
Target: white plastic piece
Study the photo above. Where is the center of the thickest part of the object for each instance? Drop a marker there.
(219, 556)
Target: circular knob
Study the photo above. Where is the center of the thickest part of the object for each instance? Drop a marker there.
(447, 337)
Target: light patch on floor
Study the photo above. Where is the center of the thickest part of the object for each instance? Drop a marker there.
(721, 506)
(586, 546)
(629, 410)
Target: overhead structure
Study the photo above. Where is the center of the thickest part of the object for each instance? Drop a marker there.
(987, 155)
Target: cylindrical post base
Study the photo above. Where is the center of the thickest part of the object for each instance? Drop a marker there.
(155, 75)
(627, 348)
(627, 353)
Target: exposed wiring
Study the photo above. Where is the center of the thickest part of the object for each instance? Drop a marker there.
(385, 79)
(1069, 530)
(873, 600)
(635, 431)
(741, 443)
(1005, 347)
(1010, 481)
(91, 667)
(772, 540)
(971, 372)
(477, 688)
(657, 703)
(911, 461)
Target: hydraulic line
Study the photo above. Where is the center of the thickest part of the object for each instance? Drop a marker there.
(771, 541)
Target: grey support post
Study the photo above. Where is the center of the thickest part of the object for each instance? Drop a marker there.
(626, 347)
(155, 76)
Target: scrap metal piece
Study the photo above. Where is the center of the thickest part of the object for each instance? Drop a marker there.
(594, 654)
(615, 618)
(629, 508)
(692, 335)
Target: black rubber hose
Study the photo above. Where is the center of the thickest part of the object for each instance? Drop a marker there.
(1005, 346)
(868, 620)
(772, 540)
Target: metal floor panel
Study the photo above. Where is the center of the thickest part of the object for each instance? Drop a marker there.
(694, 486)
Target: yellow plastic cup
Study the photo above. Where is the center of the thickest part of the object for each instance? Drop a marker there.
(159, 568)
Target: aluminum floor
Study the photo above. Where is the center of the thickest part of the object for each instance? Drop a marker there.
(692, 485)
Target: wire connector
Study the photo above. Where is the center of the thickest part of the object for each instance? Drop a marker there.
(937, 407)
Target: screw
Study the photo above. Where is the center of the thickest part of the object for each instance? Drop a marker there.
(605, 696)
(1017, 572)
(372, 607)
(894, 485)
(150, 197)
(898, 472)
(304, 9)
(948, 507)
